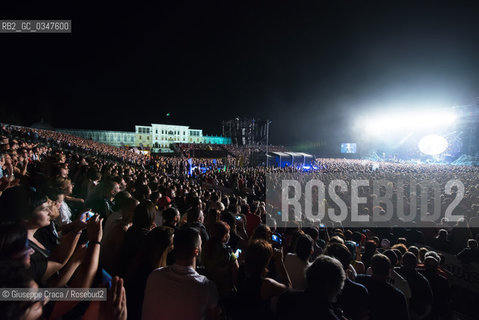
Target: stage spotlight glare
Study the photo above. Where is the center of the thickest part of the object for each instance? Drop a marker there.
(379, 125)
(433, 144)
(439, 119)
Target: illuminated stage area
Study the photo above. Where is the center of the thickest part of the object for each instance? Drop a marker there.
(430, 135)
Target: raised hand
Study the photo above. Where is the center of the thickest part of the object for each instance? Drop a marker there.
(94, 228)
(278, 255)
(79, 225)
(117, 299)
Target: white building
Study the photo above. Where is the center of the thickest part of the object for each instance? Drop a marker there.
(163, 135)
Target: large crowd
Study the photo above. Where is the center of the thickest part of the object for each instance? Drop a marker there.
(236, 155)
(170, 241)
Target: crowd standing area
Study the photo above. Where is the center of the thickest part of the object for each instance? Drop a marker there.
(182, 244)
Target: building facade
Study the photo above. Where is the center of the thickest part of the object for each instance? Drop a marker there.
(143, 137)
(164, 135)
(157, 137)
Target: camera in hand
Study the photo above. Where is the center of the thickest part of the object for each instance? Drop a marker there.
(277, 239)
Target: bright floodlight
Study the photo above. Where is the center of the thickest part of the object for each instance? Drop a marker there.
(401, 121)
(433, 144)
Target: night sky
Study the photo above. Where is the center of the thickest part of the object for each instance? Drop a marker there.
(310, 67)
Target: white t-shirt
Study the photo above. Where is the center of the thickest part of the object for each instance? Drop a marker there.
(296, 267)
(178, 292)
(65, 213)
